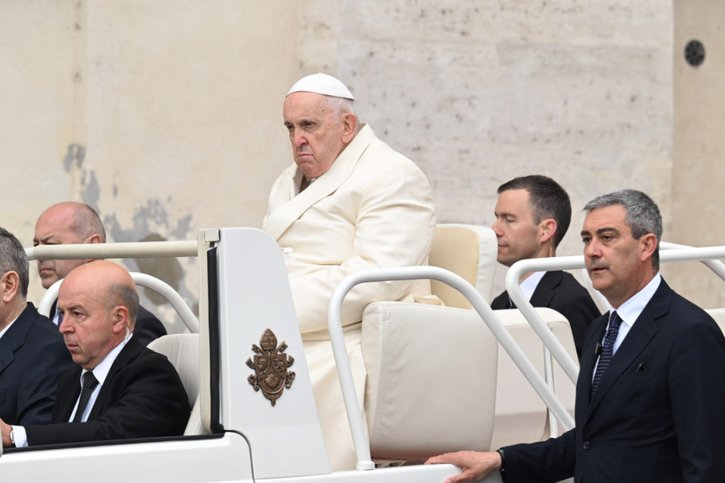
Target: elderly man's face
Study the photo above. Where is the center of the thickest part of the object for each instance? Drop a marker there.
(89, 327)
(318, 132)
(54, 228)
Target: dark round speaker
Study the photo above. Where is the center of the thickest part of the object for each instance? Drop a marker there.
(695, 53)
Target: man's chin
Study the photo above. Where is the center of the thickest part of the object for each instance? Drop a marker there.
(47, 282)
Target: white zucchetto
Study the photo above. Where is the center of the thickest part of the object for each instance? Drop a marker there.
(322, 84)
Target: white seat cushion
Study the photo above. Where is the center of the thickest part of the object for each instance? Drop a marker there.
(431, 379)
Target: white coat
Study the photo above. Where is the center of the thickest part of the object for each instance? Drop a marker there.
(372, 208)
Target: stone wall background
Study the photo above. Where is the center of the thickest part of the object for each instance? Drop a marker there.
(166, 115)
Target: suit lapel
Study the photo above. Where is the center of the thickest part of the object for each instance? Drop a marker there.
(15, 337)
(7, 353)
(545, 289)
(639, 336)
(69, 388)
(288, 212)
(588, 359)
(129, 352)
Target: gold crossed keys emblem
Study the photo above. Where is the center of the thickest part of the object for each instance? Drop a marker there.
(270, 367)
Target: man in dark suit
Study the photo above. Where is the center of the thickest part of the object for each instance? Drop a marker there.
(32, 353)
(73, 222)
(650, 402)
(120, 389)
(532, 216)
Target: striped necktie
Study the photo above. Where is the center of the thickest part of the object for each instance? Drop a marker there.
(607, 349)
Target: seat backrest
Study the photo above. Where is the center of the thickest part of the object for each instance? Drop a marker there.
(719, 316)
(466, 250)
(431, 380)
(182, 350)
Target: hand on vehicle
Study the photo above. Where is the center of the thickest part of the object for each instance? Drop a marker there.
(475, 465)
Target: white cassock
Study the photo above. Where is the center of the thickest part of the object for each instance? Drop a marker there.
(372, 208)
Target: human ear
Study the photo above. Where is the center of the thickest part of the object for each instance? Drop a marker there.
(9, 284)
(547, 229)
(349, 127)
(120, 319)
(648, 245)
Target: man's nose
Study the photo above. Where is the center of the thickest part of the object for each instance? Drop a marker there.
(298, 140)
(591, 249)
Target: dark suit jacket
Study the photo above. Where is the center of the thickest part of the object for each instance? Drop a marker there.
(148, 326)
(560, 291)
(141, 397)
(658, 415)
(32, 358)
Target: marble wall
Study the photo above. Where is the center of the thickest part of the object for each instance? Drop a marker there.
(166, 115)
(698, 145)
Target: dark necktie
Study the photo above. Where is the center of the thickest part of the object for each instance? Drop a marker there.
(304, 184)
(607, 349)
(89, 384)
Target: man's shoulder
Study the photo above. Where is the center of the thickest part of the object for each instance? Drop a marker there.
(148, 326)
(137, 365)
(567, 295)
(33, 329)
(565, 282)
(680, 308)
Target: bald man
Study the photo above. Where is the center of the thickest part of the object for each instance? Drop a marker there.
(73, 222)
(348, 202)
(119, 388)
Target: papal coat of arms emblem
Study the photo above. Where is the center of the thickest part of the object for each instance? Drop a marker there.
(270, 366)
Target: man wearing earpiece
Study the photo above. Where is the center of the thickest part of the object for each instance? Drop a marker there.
(650, 398)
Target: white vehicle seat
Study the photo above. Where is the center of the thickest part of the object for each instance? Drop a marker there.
(466, 250)
(182, 350)
(431, 383)
(431, 369)
(437, 379)
(719, 316)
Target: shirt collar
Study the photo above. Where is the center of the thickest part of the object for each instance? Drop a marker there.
(2, 332)
(630, 310)
(102, 369)
(528, 286)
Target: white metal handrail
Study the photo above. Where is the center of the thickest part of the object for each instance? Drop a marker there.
(513, 276)
(716, 266)
(145, 280)
(151, 249)
(355, 415)
(123, 250)
(567, 363)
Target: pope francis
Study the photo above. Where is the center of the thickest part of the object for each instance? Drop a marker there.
(348, 202)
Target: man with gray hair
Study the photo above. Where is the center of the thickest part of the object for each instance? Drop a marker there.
(32, 353)
(650, 399)
(74, 222)
(348, 202)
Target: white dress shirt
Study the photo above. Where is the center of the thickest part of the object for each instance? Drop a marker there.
(629, 312)
(528, 286)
